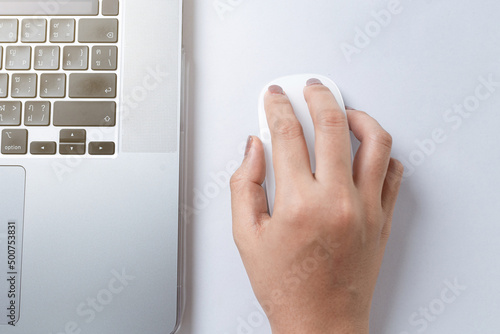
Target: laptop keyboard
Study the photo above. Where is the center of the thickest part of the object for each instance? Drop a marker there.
(59, 84)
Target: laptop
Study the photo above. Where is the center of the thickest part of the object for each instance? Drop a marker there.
(91, 133)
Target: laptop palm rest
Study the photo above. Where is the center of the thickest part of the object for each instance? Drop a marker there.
(12, 183)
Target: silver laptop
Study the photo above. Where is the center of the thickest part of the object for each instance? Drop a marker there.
(91, 131)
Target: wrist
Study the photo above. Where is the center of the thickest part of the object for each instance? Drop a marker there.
(321, 326)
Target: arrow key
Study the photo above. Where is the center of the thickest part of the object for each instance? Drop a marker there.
(72, 149)
(101, 148)
(72, 136)
(43, 147)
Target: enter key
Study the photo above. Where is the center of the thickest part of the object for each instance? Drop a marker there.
(92, 85)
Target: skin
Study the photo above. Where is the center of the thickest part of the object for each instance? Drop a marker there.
(314, 264)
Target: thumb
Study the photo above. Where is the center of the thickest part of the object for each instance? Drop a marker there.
(248, 198)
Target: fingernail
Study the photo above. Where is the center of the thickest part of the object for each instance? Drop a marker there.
(349, 108)
(275, 89)
(313, 81)
(249, 145)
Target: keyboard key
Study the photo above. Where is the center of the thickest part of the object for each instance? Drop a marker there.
(101, 148)
(91, 85)
(53, 85)
(98, 31)
(18, 58)
(10, 113)
(14, 141)
(46, 58)
(4, 84)
(62, 30)
(72, 149)
(33, 30)
(42, 8)
(104, 57)
(37, 113)
(8, 30)
(75, 57)
(72, 136)
(1, 56)
(83, 113)
(110, 7)
(23, 85)
(43, 147)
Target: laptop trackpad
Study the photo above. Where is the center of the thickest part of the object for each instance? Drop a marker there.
(12, 179)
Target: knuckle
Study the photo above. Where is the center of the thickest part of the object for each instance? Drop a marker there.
(397, 168)
(383, 138)
(327, 119)
(363, 115)
(298, 208)
(279, 102)
(287, 128)
(386, 232)
(346, 212)
(236, 180)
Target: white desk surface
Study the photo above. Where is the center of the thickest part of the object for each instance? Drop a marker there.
(412, 75)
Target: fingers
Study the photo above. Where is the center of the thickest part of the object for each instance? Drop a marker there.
(332, 142)
(392, 183)
(390, 191)
(372, 158)
(290, 155)
(248, 199)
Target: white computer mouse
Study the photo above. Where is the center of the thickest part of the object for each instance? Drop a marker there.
(293, 86)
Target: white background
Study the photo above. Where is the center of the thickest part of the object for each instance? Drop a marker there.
(430, 57)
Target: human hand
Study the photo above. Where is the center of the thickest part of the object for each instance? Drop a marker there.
(314, 264)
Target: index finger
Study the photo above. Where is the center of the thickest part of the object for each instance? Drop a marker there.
(290, 155)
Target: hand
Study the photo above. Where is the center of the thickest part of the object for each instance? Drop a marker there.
(313, 265)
